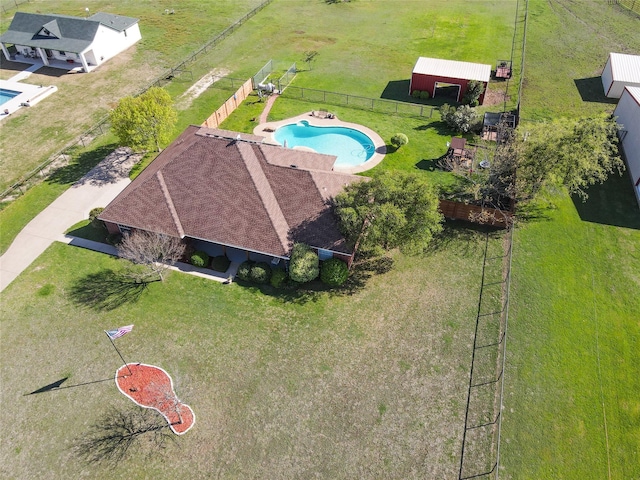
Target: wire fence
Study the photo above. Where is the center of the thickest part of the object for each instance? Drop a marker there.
(363, 103)
(10, 5)
(262, 74)
(480, 455)
(285, 80)
(62, 156)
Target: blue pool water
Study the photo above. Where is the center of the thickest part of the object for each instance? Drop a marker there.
(6, 95)
(352, 147)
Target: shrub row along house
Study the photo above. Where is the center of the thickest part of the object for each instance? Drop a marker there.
(52, 39)
(230, 194)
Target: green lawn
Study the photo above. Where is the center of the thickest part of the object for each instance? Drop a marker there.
(572, 407)
(370, 384)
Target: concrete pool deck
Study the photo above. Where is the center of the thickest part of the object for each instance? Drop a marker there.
(267, 130)
(28, 95)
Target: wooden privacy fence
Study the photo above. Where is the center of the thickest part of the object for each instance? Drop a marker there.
(476, 213)
(221, 114)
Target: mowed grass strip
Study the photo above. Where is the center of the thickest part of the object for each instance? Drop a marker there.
(573, 334)
(572, 397)
(367, 385)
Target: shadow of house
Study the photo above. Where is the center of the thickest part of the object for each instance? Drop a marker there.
(398, 90)
(590, 90)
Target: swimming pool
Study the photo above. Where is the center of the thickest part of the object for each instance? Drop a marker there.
(351, 146)
(6, 95)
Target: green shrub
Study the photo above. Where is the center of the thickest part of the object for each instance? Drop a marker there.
(416, 94)
(278, 278)
(199, 259)
(464, 119)
(93, 217)
(304, 265)
(472, 95)
(260, 273)
(244, 270)
(220, 263)
(399, 139)
(334, 272)
(424, 95)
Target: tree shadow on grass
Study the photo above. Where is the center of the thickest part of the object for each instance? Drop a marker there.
(80, 165)
(461, 238)
(107, 290)
(122, 432)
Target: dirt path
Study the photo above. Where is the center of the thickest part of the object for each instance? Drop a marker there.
(200, 86)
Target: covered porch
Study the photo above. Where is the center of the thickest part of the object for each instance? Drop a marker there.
(44, 57)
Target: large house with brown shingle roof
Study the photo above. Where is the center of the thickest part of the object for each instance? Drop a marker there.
(229, 193)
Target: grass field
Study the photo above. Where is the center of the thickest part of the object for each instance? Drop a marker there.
(572, 389)
(269, 378)
(366, 385)
(82, 100)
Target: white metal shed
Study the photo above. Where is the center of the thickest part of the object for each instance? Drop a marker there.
(628, 116)
(621, 70)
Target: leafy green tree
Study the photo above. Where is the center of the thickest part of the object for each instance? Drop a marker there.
(390, 211)
(146, 121)
(574, 153)
(304, 264)
(472, 95)
(463, 119)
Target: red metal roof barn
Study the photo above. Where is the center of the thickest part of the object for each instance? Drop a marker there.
(431, 74)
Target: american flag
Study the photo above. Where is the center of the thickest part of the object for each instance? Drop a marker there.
(113, 334)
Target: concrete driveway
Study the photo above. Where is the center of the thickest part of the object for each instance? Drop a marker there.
(96, 189)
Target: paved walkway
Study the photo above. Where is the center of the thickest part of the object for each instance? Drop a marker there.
(96, 189)
(267, 108)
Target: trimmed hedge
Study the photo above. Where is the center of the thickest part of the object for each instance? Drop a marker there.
(334, 272)
(279, 278)
(244, 270)
(304, 264)
(93, 217)
(199, 259)
(220, 263)
(260, 273)
(399, 139)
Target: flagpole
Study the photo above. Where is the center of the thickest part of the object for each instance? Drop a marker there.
(114, 346)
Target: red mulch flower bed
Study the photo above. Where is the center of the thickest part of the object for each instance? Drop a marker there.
(151, 387)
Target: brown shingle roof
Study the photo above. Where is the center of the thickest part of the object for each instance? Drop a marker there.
(226, 191)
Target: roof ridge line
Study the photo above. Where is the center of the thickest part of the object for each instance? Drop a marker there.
(172, 208)
(269, 200)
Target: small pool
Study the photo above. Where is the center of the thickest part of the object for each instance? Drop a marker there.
(6, 95)
(351, 146)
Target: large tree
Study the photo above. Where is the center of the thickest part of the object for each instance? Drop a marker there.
(574, 153)
(396, 210)
(144, 122)
(155, 251)
(571, 153)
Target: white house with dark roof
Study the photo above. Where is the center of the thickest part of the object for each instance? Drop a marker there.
(62, 40)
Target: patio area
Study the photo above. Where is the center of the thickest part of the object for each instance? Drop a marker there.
(323, 118)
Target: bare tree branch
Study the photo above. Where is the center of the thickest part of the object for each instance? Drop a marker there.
(155, 251)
